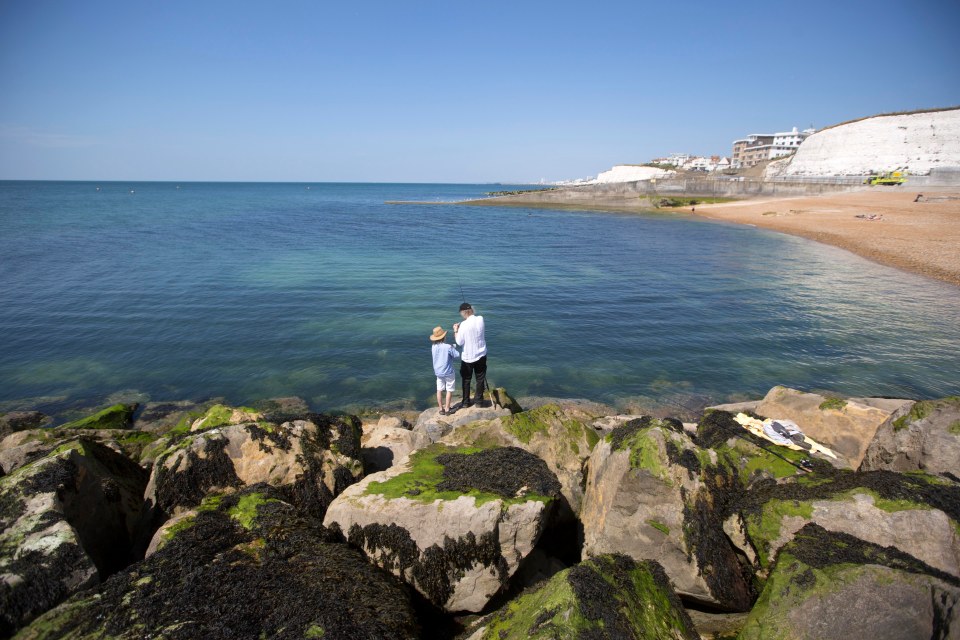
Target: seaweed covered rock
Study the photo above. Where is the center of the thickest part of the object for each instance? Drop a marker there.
(248, 565)
(925, 439)
(383, 446)
(313, 460)
(548, 432)
(67, 520)
(915, 513)
(833, 586)
(653, 494)
(610, 596)
(455, 523)
(847, 426)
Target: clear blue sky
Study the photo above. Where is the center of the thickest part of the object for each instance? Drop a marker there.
(442, 91)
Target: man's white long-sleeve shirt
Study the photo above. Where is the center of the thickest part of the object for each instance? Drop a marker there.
(470, 337)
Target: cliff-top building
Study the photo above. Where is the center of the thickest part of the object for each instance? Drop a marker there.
(758, 147)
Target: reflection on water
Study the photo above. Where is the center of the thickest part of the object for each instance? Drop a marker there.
(248, 291)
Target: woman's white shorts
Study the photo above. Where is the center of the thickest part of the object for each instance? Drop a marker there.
(448, 383)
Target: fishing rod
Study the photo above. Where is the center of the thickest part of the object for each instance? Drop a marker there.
(463, 298)
(806, 468)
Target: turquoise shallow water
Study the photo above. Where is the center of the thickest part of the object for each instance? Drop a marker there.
(260, 290)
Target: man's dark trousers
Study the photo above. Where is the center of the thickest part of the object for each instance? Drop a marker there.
(467, 369)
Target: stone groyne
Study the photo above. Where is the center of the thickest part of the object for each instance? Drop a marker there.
(643, 193)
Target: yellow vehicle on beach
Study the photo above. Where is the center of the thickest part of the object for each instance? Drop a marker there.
(889, 178)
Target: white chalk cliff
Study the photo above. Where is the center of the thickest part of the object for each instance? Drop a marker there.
(915, 143)
(630, 173)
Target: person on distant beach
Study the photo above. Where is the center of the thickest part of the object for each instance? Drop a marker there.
(469, 334)
(443, 356)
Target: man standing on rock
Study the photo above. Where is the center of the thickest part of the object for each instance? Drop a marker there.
(469, 335)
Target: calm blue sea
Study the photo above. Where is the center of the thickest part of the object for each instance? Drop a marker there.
(249, 291)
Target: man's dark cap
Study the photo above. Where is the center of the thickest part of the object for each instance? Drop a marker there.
(465, 306)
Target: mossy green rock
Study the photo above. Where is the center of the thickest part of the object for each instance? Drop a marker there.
(119, 416)
(610, 596)
(453, 522)
(249, 566)
(915, 513)
(833, 586)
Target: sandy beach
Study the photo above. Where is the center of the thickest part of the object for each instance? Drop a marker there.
(922, 237)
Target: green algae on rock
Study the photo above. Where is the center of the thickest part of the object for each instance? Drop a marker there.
(251, 566)
(915, 513)
(453, 522)
(609, 596)
(119, 416)
(484, 478)
(834, 586)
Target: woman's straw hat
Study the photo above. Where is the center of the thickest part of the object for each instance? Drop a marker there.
(438, 334)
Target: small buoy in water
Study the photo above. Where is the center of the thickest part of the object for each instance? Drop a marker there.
(98, 188)
(132, 191)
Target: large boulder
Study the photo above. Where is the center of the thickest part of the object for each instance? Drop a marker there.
(834, 586)
(915, 513)
(847, 426)
(455, 523)
(67, 521)
(607, 597)
(312, 459)
(653, 494)
(925, 439)
(553, 435)
(248, 565)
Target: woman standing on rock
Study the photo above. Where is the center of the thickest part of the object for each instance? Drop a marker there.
(469, 334)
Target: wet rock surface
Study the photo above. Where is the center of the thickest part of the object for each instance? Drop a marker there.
(68, 521)
(250, 566)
